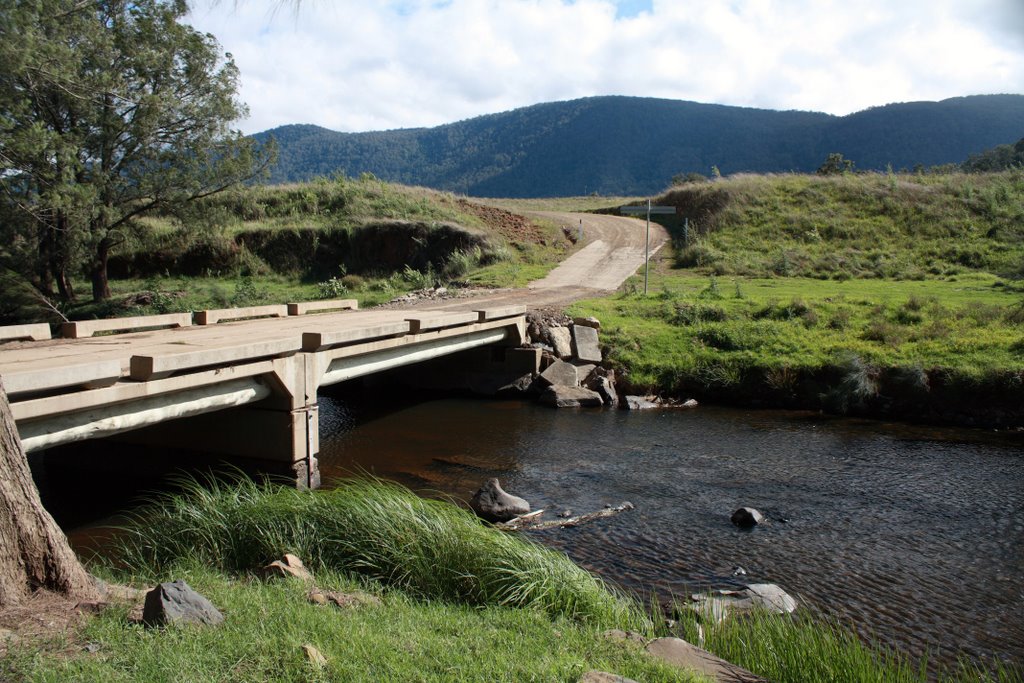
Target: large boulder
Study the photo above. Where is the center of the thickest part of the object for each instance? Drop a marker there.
(492, 503)
(175, 602)
(585, 344)
(570, 397)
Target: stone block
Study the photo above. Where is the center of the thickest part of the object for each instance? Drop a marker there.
(584, 371)
(570, 397)
(585, 344)
(560, 373)
(561, 341)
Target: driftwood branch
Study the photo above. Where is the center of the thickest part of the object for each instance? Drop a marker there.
(531, 521)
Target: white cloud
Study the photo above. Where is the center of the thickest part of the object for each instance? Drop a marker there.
(357, 66)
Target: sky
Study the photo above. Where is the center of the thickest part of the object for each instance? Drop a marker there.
(361, 65)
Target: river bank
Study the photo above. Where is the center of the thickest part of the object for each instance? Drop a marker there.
(938, 352)
(449, 593)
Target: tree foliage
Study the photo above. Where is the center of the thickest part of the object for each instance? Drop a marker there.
(999, 158)
(835, 164)
(109, 110)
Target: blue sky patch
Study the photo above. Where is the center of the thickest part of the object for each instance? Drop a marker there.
(631, 8)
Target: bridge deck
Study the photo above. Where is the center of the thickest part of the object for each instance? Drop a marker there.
(97, 361)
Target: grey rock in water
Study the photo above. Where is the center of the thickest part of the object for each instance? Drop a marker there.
(605, 387)
(175, 602)
(571, 397)
(716, 606)
(770, 597)
(690, 403)
(492, 503)
(524, 386)
(746, 517)
(585, 344)
(639, 403)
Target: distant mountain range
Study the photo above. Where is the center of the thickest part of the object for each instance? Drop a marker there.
(634, 146)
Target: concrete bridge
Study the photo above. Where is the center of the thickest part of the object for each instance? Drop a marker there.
(227, 381)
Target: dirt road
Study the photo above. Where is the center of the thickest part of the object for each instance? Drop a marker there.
(613, 249)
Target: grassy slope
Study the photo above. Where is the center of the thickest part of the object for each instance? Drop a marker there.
(515, 250)
(837, 292)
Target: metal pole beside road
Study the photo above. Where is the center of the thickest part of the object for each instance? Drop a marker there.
(635, 210)
(647, 246)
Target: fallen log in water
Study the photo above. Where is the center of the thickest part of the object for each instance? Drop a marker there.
(531, 522)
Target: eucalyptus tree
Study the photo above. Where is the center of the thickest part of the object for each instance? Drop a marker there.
(109, 110)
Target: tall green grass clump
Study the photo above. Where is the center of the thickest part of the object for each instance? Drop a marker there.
(800, 648)
(378, 531)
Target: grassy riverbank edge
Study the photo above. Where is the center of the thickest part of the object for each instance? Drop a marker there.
(949, 352)
(461, 601)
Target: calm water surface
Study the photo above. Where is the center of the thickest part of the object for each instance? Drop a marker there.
(914, 535)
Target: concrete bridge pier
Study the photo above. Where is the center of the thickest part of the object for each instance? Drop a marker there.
(277, 435)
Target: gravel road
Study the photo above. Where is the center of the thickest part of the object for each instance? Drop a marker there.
(613, 249)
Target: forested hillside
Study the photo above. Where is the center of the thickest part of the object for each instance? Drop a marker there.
(631, 145)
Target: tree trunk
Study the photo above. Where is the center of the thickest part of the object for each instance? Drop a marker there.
(62, 258)
(100, 285)
(34, 552)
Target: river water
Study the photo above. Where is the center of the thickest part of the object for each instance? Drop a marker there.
(911, 535)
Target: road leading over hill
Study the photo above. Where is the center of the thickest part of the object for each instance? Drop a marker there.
(613, 249)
